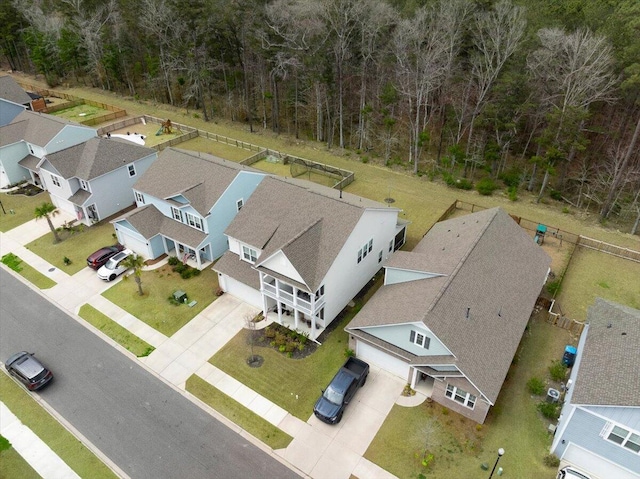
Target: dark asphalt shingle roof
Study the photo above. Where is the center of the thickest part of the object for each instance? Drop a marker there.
(231, 265)
(96, 157)
(608, 371)
(30, 162)
(10, 90)
(199, 177)
(308, 224)
(35, 128)
(491, 266)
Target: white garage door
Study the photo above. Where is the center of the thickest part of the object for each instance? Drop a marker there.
(375, 356)
(133, 242)
(241, 291)
(596, 466)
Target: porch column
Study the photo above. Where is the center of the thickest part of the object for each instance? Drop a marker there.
(313, 311)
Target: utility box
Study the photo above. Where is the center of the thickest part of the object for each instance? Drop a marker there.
(180, 296)
(553, 395)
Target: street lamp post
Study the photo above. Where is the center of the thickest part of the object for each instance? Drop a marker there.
(500, 454)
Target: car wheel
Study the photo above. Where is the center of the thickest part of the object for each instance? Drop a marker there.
(112, 277)
(365, 380)
(339, 417)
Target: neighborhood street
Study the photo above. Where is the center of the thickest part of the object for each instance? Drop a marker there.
(141, 424)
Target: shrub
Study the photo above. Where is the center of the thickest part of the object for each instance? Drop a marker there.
(349, 353)
(551, 460)
(270, 333)
(486, 186)
(556, 195)
(463, 184)
(557, 370)
(173, 261)
(66, 261)
(365, 159)
(512, 193)
(535, 386)
(511, 177)
(549, 410)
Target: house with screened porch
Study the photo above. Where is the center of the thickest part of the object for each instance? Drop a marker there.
(301, 252)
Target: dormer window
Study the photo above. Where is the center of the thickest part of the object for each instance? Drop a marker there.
(176, 213)
(84, 185)
(419, 339)
(239, 204)
(139, 198)
(194, 221)
(249, 254)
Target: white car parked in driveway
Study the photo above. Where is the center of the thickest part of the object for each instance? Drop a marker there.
(114, 267)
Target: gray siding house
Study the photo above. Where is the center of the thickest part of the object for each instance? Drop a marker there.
(599, 428)
(94, 180)
(184, 202)
(28, 138)
(451, 313)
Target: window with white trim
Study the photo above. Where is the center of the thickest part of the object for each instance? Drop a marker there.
(461, 396)
(139, 197)
(365, 250)
(84, 185)
(55, 180)
(419, 339)
(132, 169)
(193, 221)
(380, 257)
(624, 437)
(390, 246)
(249, 254)
(239, 204)
(176, 213)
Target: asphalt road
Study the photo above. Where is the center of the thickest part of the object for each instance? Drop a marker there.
(141, 424)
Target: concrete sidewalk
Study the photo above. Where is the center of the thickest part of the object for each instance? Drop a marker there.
(318, 450)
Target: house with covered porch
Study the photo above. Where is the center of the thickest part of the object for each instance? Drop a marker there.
(451, 313)
(301, 252)
(184, 202)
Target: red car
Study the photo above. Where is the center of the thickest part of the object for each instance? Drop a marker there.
(99, 258)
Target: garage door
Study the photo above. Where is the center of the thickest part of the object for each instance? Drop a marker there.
(375, 356)
(241, 291)
(133, 242)
(596, 466)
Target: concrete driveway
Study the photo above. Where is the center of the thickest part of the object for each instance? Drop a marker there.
(321, 450)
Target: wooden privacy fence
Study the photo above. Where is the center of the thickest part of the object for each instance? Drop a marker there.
(556, 318)
(188, 132)
(608, 248)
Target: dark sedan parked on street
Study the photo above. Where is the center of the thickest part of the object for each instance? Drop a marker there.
(28, 370)
(97, 259)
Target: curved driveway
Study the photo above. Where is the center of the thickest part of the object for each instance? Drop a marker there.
(145, 427)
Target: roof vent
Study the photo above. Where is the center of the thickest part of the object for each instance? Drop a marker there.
(609, 326)
(624, 334)
(468, 312)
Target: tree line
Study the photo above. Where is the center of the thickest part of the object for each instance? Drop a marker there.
(538, 94)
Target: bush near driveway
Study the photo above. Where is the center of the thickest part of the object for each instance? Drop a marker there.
(61, 441)
(158, 285)
(76, 246)
(460, 445)
(22, 207)
(238, 414)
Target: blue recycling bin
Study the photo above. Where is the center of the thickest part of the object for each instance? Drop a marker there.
(569, 356)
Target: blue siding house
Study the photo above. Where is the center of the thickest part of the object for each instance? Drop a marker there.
(184, 203)
(599, 428)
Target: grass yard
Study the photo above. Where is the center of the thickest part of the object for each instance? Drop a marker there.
(216, 148)
(285, 170)
(80, 113)
(61, 441)
(293, 384)
(23, 208)
(594, 274)
(12, 464)
(458, 445)
(76, 246)
(120, 335)
(29, 273)
(158, 285)
(238, 414)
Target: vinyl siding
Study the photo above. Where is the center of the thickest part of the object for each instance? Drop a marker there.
(10, 155)
(394, 275)
(69, 136)
(398, 335)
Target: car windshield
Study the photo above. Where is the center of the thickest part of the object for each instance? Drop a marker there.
(333, 396)
(40, 376)
(112, 263)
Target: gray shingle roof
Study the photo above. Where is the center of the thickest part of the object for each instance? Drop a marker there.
(35, 128)
(96, 157)
(79, 197)
(10, 90)
(493, 267)
(149, 222)
(232, 266)
(309, 226)
(199, 177)
(30, 162)
(608, 370)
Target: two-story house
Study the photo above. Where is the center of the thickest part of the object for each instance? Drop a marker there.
(301, 251)
(10, 90)
(8, 111)
(28, 138)
(599, 428)
(184, 202)
(450, 314)
(94, 180)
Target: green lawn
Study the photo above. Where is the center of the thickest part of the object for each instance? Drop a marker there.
(12, 464)
(158, 285)
(120, 335)
(592, 274)
(293, 384)
(238, 414)
(23, 208)
(80, 113)
(27, 272)
(61, 441)
(76, 246)
(459, 446)
(216, 148)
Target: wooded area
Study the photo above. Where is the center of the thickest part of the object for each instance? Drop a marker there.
(544, 97)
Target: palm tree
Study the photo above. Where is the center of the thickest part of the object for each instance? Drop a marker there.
(136, 263)
(47, 210)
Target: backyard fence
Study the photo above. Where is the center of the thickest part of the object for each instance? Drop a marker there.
(188, 132)
(608, 248)
(231, 141)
